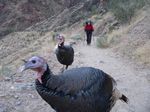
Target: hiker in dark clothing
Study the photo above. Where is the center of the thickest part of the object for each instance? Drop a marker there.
(89, 29)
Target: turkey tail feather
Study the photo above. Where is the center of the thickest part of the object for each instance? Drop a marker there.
(124, 98)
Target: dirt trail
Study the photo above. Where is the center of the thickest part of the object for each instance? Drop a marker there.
(131, 80)
(134, 82)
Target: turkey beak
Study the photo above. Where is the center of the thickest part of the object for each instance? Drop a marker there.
(59, 41)
(27, 65)
(24, 61)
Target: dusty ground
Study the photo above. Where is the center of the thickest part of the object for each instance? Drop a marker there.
(19, 95)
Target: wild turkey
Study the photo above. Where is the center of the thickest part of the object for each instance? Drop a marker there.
(64, 53)
(84, 89)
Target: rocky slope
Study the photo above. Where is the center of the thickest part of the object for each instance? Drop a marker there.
(17, 92)
(135, 39)
(17, 15)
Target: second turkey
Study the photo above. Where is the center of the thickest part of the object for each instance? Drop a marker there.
(64, 53)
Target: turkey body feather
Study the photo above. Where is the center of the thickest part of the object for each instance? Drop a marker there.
(84, 89)
(65, 54)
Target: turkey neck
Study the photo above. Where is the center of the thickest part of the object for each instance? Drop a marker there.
(47, 75)
(61, 45)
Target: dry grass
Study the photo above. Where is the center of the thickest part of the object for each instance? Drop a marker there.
(23, 45)
(115, 37)
(124, 10)
(131, 40)
(112, 38)
(102, 42)
(142, 54)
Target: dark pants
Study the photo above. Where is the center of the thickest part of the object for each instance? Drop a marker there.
(89, 37)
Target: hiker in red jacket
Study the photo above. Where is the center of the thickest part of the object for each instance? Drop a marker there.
(88, 29)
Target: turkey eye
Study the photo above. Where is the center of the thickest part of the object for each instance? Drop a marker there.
(33, 61)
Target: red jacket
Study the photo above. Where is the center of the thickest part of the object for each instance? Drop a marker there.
(89, 28)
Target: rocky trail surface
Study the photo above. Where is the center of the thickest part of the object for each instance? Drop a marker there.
(18, 94)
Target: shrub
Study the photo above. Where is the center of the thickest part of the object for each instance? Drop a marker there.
(124, 10)
(102, 42)
(77, 37)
